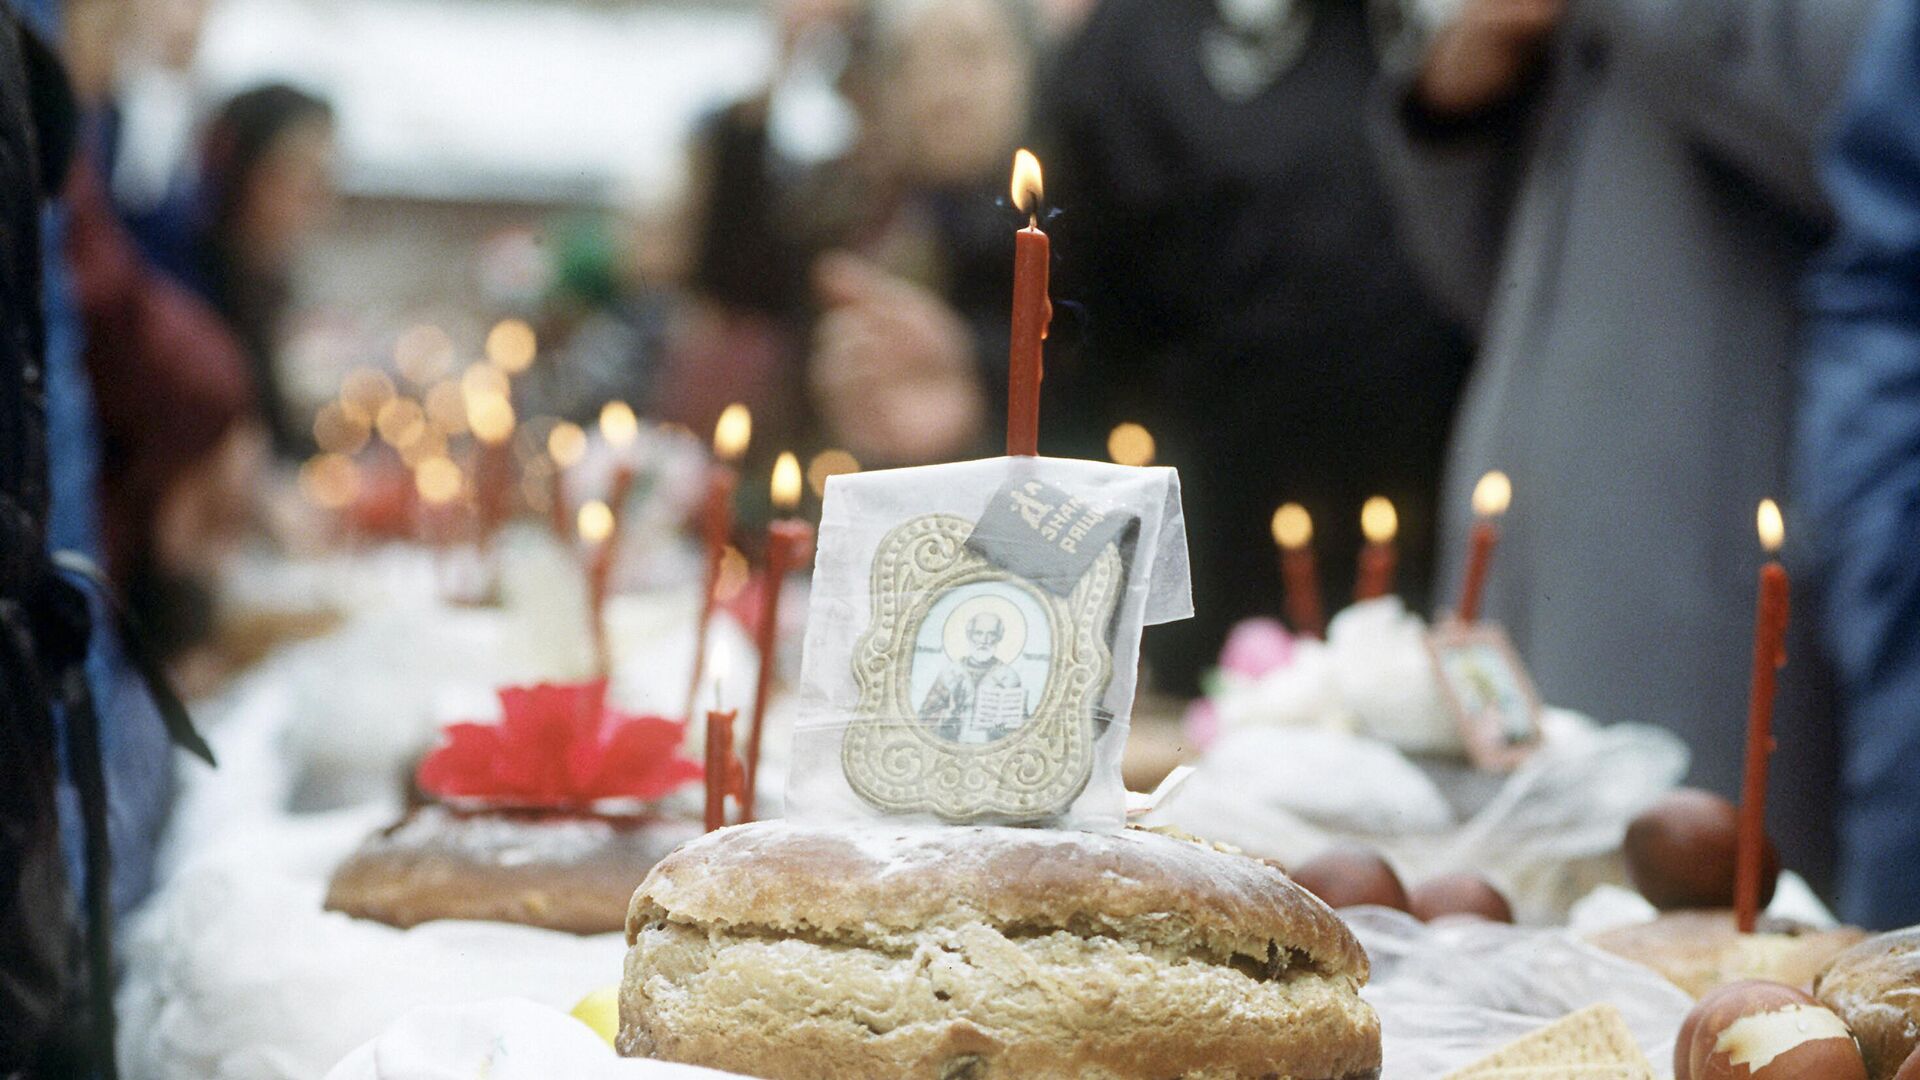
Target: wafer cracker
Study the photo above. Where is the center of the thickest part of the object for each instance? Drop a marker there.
(1592, 1044)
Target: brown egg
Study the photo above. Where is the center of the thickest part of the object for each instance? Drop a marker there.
(1910, 1070)
(1764, 1031)
(1458, 894)
(1681, 851)
(1351, 876)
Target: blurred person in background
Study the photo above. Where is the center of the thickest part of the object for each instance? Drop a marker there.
(170, 384)
(1227, 234)
(771, 182)
(912, 336)
(266, 187)
(1859, 468)
(864, 281)
(159, 102)
(1620, 195)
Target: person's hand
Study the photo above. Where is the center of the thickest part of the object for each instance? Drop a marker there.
(893, 370)
(1483, 57)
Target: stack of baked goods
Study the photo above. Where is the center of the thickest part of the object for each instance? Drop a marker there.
(785, 951)
(550, 818)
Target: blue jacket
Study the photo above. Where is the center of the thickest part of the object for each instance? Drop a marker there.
(1859, 466)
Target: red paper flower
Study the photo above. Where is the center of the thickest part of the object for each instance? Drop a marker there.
(560, 746)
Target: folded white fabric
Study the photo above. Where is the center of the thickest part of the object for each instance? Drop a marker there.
(508, 1039)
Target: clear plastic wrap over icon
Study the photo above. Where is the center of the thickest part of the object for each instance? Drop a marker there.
(973, 638)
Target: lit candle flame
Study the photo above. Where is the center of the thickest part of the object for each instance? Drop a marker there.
(511, 345)
(1130, 444)
(829, 463)
(438, 480)
(1027, 187)
(484, 380)
(1378, 520)
(1292, 527)
(401, 422)
(330, 481)
(732, 432)
(447, 407)
(491, 418)
(786, 482)
(566, 444)
(1492, 495)
(595, 521)
(618, 425)
(423, 353)
(1773, 529)
(363, 391)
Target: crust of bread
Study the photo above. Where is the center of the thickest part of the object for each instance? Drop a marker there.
(568, 873)
(982, 953)
(1875, 988)
(1701, 951)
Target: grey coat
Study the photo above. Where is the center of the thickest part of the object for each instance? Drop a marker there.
(1627, 240)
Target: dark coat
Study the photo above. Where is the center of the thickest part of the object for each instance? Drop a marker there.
(1628, 238)
(1859, 474)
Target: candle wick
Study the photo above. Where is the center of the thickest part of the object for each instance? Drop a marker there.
(1033, 222)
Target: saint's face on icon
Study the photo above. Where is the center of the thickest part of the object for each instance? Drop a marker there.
(977, 697)
(984, 632)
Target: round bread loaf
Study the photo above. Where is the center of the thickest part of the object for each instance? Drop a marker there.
(569, 872)
(1875, 987)
(1700, 951)
(985, 953)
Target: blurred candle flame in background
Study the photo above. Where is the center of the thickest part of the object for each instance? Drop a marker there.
(618, 425)
(511, 345)
(595, 521)
(1378, 520)
(786, 482)
(1773, 528)
(566, 444)
(438, 480)
(732, 432)
(1130, 444)
(1292, 527)
(828, 463)
(1492, 495)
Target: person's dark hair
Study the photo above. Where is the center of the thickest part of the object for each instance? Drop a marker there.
(242, 133)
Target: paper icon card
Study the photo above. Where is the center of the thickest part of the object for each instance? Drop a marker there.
(973, 637)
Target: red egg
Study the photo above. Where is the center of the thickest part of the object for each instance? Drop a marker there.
(1458, 894)
(1351, 876)
(1681, 852)
(1764, 1031)
(1910, 1070)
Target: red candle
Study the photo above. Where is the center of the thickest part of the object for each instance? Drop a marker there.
(1032, 312)
(1379, 558)
(557, 510)
(565, 445)
(731, 434)
(600, 565)
(491, 418)
(787, 543)
(493, 488)
(1769, 656)
(1299, 571)
(1491, 496)
(721, 766)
